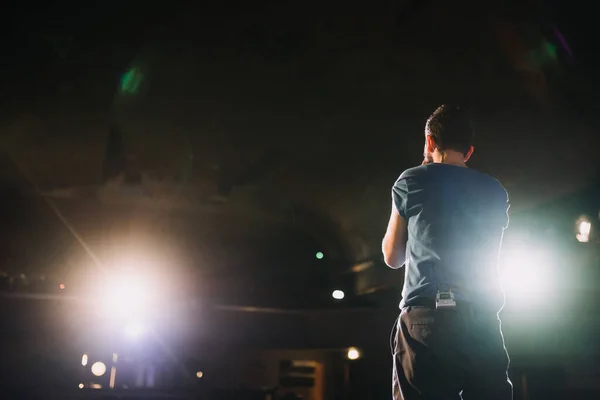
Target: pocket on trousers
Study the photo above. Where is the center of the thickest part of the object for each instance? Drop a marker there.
(420, 323)
(422, 331)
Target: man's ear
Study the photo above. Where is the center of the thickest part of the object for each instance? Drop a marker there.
(429, 144)
(469, 153)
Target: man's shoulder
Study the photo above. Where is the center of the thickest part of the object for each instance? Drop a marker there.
(485, 177)
(494, 183)
(490, 183)
(426, 171)
(413, 172)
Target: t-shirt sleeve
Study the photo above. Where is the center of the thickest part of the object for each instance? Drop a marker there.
(400, 196)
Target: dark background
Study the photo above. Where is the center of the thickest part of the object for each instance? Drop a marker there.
(261, 133)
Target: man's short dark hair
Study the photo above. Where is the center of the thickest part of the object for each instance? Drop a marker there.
(451, 128)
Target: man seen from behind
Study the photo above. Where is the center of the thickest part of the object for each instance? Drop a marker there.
(446, 229)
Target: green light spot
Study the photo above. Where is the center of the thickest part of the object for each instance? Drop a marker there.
(551, 50)
(131, 81)
(320, 256)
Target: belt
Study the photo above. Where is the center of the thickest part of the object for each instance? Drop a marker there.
(430, 303)
(422, 302)
(461, 305)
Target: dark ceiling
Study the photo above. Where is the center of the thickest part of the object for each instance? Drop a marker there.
(275, 131)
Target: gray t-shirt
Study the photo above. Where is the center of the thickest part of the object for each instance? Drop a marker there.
(456, 219)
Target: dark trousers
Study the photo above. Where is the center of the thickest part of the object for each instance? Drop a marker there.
(449, 354)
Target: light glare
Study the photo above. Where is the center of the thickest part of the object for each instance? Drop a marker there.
(126, 297)
(338, 294)
(134, 329)
(353, 353)
(583, 231)
(527, 273)
(98, 368)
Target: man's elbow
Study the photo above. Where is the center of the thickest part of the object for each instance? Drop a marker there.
(394, 261)
(393, 257)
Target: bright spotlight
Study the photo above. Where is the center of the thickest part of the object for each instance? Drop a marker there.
(199, 374)
(527, 271)
(126, 297)
(584, 228)
(98, 368)
(338, 294)
(84, 360)
(81, 386)
(353, 353)
(320, 255)
(134, 330)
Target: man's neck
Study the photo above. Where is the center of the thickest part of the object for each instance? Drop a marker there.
(453, 158)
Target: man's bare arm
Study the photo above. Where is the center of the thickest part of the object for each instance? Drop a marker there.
(394, 241)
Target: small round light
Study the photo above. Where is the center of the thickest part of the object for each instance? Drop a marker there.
(199, 374)
(353, 353)
(81, 386)
(62, 286)
(98, 368)
(584, 228)
(338, 294)
(320, 255)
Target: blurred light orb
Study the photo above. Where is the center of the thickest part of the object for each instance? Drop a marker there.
(134, 329)
(131, 81)
(199, 374)
(338, 294)
(528, 273)
(584, 228)
(98, 368)
(353, 353)
(320, 255)
(126, 297)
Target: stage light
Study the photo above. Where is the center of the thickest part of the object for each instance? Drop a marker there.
(81, 386)
(199, 374)
(98, 368)
(320, 255)
(84, 360)
(126, 297)
(338, 294)
(584, 228)
(134, 329)
(527, 273)
(353, 353)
